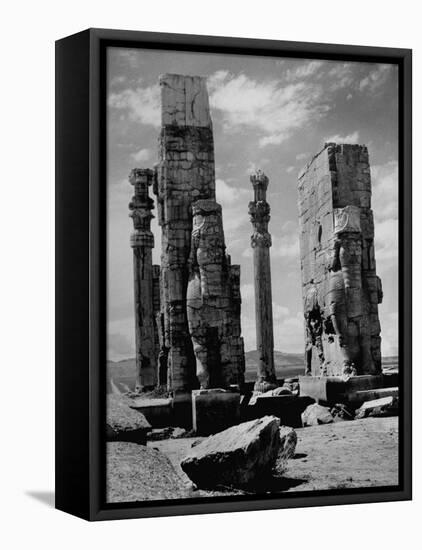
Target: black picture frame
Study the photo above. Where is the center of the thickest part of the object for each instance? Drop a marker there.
(81, 281)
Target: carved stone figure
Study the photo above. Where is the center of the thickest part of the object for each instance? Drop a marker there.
(210, 301)
(314, 330)
(338, 260)
(185, 175)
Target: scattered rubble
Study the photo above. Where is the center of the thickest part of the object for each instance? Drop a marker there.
(236, 457)
(341, 412)
(385, 406)
(316, 414)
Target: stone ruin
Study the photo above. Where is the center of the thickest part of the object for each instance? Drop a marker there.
(341, 290)
(187, 310)
(188, 331)
(259, 211)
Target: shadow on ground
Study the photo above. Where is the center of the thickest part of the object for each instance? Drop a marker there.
(45, 497)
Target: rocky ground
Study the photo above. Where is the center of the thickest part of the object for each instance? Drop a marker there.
(359, 453)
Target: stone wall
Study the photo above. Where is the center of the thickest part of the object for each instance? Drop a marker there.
(341, 290)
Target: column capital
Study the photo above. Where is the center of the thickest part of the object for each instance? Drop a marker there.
(259, 211)
(141, 207)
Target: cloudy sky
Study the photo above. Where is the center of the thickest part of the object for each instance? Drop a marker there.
(267, 113)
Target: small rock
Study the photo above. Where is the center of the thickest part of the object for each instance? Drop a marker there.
(281, 391)
(236, 457)
(292, 386)
(340, 412)
(316, 414)
(178, 432)
(385, 406)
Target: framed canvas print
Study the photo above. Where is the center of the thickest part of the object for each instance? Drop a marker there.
(233, 274)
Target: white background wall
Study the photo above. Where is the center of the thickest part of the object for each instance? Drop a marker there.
(27, 271)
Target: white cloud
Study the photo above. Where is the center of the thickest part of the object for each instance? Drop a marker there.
(287, 245)
(272, 107)
(288, 334)
(340, 76)
(386, 241)
(142, 155)
(375, 79)
(226, 194)
(385, 190)
(338, 138)
(304, 70)
(142, 104)
(303, 156)
(290, 169)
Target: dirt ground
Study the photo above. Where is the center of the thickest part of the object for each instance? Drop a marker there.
(359, 453)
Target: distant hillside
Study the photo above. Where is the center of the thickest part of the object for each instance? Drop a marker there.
(121, 374)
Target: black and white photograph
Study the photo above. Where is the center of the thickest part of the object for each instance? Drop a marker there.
(252, 273)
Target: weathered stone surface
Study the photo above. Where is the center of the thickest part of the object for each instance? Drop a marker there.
(214, 410)
(385, 406)
(158, 411)
(288, 442)
(142, 242)
(341, 290)
(123, 423)
(316, 414)
(212, 310)
(283, 390)
(185, 175)
(372, 394)
(337, 389)
(340, 412)
(288, 408)
(138, 473)
(259, 211)
(238, 456)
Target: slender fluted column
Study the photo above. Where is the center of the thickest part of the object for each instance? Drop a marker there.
(142, 243)
(259, 211)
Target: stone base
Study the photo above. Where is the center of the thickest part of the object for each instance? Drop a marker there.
(359, 397)
(335, 389)
(214, 410)
(158, 412)
(288, 408)
(182, 410)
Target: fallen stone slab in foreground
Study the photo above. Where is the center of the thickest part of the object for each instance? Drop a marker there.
(237, 457)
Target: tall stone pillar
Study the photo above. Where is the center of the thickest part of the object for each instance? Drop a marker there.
(341, 289)
(259, 211)
(142, 243)
(185, 174)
